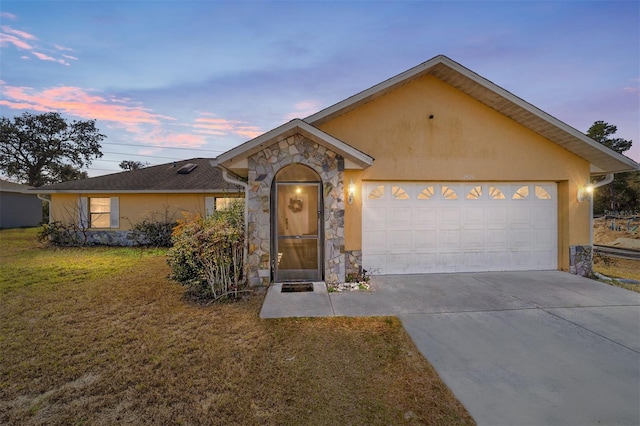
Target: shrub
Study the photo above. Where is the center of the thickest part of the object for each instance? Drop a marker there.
(154, 233)
(62, 234)
(207, 253)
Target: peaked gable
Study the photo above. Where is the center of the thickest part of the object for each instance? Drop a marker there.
(601, 158)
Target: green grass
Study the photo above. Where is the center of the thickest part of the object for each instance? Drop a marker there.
(100, 336)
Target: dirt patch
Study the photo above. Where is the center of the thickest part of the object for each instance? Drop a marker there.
(623, 233)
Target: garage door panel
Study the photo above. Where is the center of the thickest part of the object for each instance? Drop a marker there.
(449, 218)
(473, 240)
(424, 227)
(425, 217)
(375, 241)
(449, 239)
(399, 217)
(425, 240)
(400, 241)
(473, 217)
(374, 218)
(519, 217)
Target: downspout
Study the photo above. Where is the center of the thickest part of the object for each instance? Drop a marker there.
(606, 181)
(47, 199)
(245, 249)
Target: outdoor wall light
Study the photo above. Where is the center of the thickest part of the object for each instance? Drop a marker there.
(351, 192)
(585, 193)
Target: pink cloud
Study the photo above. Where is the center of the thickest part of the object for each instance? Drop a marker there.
(80, 103)
(58, 47)
(21, 40)
(210, 124)
(22, 34)
(9, 16)
(162, 137)
(44, 57)
(6, 39)
(303, 109)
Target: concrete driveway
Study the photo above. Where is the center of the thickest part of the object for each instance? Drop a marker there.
(516, 348)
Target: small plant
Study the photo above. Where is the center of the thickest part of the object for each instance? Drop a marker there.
(154, 231)
(63, 234)
(207, 254)
(353, 281)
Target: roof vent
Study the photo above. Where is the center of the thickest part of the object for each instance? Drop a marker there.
(187, 168)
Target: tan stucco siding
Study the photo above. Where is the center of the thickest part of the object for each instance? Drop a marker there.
(464, 141)
(134, 208)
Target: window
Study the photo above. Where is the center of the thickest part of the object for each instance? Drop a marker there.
(542, 194)
(399, 193)
(99, 212)
(495, 193)
(475, 193)
(426, 193)
(522, 193)
(448, 193)
(377, 193)
(218, 203)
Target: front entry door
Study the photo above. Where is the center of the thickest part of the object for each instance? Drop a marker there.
(297, 255)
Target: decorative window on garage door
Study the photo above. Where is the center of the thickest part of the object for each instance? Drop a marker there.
(426, 193)
(542, 194)
(521, 193)
(448, 193)
(377, 193)
(475, 193)
(399, 193)
(495, 193)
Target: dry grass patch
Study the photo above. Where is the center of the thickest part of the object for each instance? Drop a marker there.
(618, 268)
(100, 336)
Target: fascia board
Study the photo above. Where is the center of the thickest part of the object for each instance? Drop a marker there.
(131, 191)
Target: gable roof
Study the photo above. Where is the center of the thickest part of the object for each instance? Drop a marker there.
(601, 158)
(165, 178)
(235, 157)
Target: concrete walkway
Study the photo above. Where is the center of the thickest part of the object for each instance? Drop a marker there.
(516, 348)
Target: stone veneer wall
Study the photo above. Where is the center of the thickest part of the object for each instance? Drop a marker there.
(581, 260)
(263, 167)
(354, 262)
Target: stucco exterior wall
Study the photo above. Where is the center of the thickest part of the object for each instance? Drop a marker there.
(427, 130)
(135, 208)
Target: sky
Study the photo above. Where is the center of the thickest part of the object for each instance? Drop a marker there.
(173, 80)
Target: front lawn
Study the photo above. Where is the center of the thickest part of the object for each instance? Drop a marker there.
(100, 336)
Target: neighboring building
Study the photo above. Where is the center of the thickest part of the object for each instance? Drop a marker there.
(19, 208)
(108, 206)
(466, 177)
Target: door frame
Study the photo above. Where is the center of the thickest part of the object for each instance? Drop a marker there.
(276, 237)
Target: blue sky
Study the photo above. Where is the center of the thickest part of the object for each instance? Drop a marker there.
(180, 79)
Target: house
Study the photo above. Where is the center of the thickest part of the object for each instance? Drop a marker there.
(18, 207)
(434, 170)
(107, 207)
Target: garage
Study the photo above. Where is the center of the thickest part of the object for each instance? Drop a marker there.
(429, 227)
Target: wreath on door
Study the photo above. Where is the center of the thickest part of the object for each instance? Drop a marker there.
(295, 205)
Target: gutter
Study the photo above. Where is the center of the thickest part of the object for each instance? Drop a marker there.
(245, 249)
(46, 199)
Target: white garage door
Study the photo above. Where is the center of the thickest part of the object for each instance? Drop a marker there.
(411, 227)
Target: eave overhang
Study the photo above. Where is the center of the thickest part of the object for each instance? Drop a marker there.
(132, 191)
(602, 159)
(236, 158)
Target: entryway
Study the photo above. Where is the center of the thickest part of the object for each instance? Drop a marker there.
(297, 225)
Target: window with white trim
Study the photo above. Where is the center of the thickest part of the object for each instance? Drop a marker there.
(99, 212)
